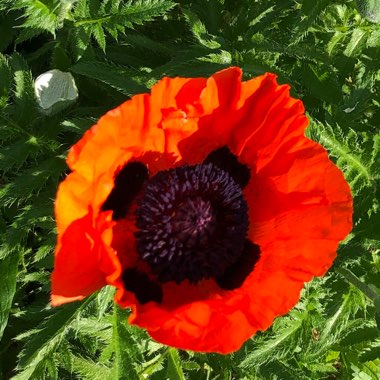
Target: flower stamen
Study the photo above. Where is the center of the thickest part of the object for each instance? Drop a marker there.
(192, 222)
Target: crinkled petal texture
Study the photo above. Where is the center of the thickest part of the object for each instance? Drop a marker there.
(300, 206)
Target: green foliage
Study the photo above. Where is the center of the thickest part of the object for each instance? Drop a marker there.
(174, 370)
(327, 50)
(120, 78)
(39, 16)
(114, 16)
(8, 272)
(44, 341)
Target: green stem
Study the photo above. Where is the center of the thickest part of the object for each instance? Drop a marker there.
(15, 125)
(153, 363)
(351, 278)
(124, 365)
(90, 21)
(116, 341)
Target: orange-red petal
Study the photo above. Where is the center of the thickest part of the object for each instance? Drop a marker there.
(83, 260)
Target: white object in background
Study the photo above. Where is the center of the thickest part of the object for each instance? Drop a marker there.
(55, 90)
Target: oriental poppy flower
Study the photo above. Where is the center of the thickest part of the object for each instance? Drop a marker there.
(205, 205)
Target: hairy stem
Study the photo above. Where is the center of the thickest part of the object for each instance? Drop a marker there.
(351, 278)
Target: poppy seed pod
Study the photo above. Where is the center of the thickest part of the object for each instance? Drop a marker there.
(55, 90)
(205, 205)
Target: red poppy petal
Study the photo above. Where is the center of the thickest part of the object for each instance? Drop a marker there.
(83, 263)
(211, 325)
(205, 328)
(217, 106)
(268, 296)
(175, 109)
(231, 112)
(225, 320)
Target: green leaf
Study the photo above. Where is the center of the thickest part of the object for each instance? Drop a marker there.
(46, 339)
(174, 369)
(8, 274)
(120, 78)
(374, 39)
(5, 81)
(14, 156)
(276, 369)
(199, 30)
(98, 33)
(141, 11)
(39, 15)
(359, 331)
(24, 97)
(104, 300)
(125, 347)
(115, 16)
(32, 181)
(334, 41)
(371, 352)
(89, 370)
(336, 326)
(310, 12)
(265, 351)
(321, 82)
(357, 41)
(79, 42)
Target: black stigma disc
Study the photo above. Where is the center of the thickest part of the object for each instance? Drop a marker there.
(192, 222)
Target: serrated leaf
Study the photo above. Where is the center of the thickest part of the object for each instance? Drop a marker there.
(371, 352)
(321, 82)
(5, 81)
(125, 348)
(39, 15)
(44, 250)
(98, 33)
(357, 41)
(8, 274)
(359, 331)
(24, 98)
(311, 10)
(46, 339)
(199, 30)
(31, 181)
(89, 370)
(79, 42)
(115, 16)
(263, 353)
(174, 369)
(334, 41)
(14, 156)
(104, 300)
(374, 39)
(117, 77)
(276, 369)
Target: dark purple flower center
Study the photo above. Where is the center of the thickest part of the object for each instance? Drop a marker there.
(192, 223)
